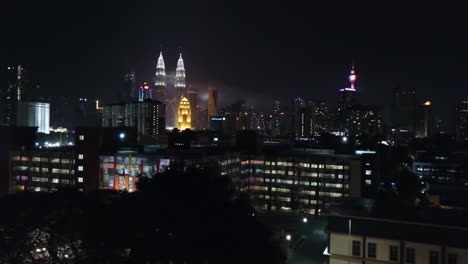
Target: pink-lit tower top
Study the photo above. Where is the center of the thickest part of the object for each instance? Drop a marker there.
(352, 77)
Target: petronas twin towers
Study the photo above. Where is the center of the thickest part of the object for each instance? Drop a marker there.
(160, 85)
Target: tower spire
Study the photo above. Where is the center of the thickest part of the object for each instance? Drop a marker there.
(352, 76)
(160, 79)
(160, 71)
(180, 78)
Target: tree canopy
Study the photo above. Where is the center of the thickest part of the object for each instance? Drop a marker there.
(180, 216)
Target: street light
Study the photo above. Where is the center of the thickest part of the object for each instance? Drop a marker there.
(288, 237)
(304, 220)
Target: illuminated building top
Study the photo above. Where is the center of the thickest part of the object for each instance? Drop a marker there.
(180, 73)
(352, 79)
(160, 79)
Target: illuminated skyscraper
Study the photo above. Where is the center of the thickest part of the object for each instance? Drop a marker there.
(462, 122)
(346, 99)
(160, 80)
(184, 115)
(212, 102)
(180, 79)
(179, 87)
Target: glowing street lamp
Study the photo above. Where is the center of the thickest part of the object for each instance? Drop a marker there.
(304, 220)
(288, 237)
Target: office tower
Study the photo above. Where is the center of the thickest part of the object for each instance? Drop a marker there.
(160, 80)
(184, 115)
(34, 114)
(403, 110)
(148, 117)
(11, 94)
(365, 120)
(193, 99)
(130, 90)
(321, 119)
(462, 122)
(179, 87)
(346, 99)
(202, 118)
(212, 101)
(145, 92)
(275, 130)
(425, 120)
(180, 80)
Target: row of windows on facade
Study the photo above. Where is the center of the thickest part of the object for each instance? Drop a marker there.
(304, 183)
(43, 179)
(43, 170)
(304, 201)
(43, 159)
(394, 254)
(293, 173)
(301, 164)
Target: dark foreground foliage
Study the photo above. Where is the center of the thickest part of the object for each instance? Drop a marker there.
(176, 217)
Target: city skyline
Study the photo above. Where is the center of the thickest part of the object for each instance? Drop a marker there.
(256, 57)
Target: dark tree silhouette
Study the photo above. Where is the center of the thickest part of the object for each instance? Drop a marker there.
(181, 216)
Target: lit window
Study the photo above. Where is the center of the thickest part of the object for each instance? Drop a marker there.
(55, 180)
(80, 156)
(80, 179)
(81, 137)
(80, 168)
(368, 172)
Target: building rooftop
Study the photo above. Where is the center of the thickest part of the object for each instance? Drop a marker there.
(426, 225)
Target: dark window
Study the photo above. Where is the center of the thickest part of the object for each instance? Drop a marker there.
(393, 254)
(434, 257)
(356, 248)
(371, 250)
(410, 255)
(452, 259)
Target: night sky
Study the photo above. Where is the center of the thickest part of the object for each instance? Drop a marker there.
(258, 51)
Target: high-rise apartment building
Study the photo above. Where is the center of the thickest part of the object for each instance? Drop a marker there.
(462, 122)
(148, 117)
(321, 119)
(34, 114)
(11, 94)
(365, 120)
(276, 127)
